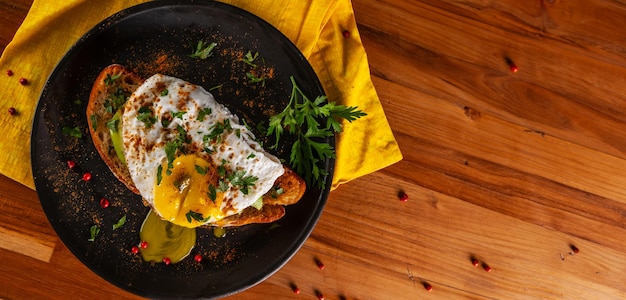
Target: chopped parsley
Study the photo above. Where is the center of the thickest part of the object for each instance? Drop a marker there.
(201, 170)
(110, 79)
(159, 174)
(178, 114)
(212, 193)
(192, 215)
(239, 180)
(146, 115)
(93, 232)
(254, 78)
(249, 58)
(120, 222)
(203, 50)
(115, 101)
(173, 146)
(73, 131)
(217, 130)
(164, 92)
(112, 124)
(203, 113)
(216, 87)
(94, 121)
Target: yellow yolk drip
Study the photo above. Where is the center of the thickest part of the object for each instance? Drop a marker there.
(189, 195)
(165, 239)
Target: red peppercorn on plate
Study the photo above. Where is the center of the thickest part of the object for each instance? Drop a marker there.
(98, 218)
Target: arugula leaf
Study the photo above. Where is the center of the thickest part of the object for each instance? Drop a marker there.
(120, 222)
(311, 122)
(203, 50)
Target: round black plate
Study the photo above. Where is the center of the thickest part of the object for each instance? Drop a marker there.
(158, 37)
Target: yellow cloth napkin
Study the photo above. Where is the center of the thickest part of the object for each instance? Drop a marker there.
(324, 30)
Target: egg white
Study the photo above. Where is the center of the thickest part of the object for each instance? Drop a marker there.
(144, 146)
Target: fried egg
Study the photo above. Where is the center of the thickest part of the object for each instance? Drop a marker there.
(189, 156)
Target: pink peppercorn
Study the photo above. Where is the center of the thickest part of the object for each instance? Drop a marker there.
(23, 81)
(12, 111)
(403, 197)
(134, 249)
(428, 286)
(71, 164)
(87, 176)
(166, 261)
(346, 34)
(104, 203)
(9, 73)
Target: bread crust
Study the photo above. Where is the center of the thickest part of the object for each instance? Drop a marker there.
(287, 190)
(98, 115)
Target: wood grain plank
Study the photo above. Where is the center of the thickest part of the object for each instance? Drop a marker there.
(429, 49)
(430, 237)
(24, 227)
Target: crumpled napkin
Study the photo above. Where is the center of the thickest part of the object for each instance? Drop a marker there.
(325, 31)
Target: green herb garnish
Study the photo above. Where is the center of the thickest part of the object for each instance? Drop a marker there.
(203, 50)
(112, 124)
(195, 216)
(178, 114)
(159, 174)
(120, 222)
(203, 113)
(115, 101)
(164, 92)
(212, 193)
(173, 146)
(111, 78)
(249, 58)
(301, 118)
(216, 87)
(239, 180)
(94, 121)
(146, 116)
(253, 78)
(201, 170)
(73, 131)
(93, 232)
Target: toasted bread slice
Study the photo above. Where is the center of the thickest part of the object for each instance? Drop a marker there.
(116, 81)
(112, 83)
(267, 214)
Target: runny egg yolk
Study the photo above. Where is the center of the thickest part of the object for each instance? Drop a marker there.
(187, 194)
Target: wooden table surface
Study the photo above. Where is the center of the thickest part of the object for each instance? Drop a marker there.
(524, 171)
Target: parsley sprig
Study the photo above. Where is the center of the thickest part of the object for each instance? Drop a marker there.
(311, 122)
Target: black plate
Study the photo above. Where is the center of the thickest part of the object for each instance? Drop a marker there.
(158, 37)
